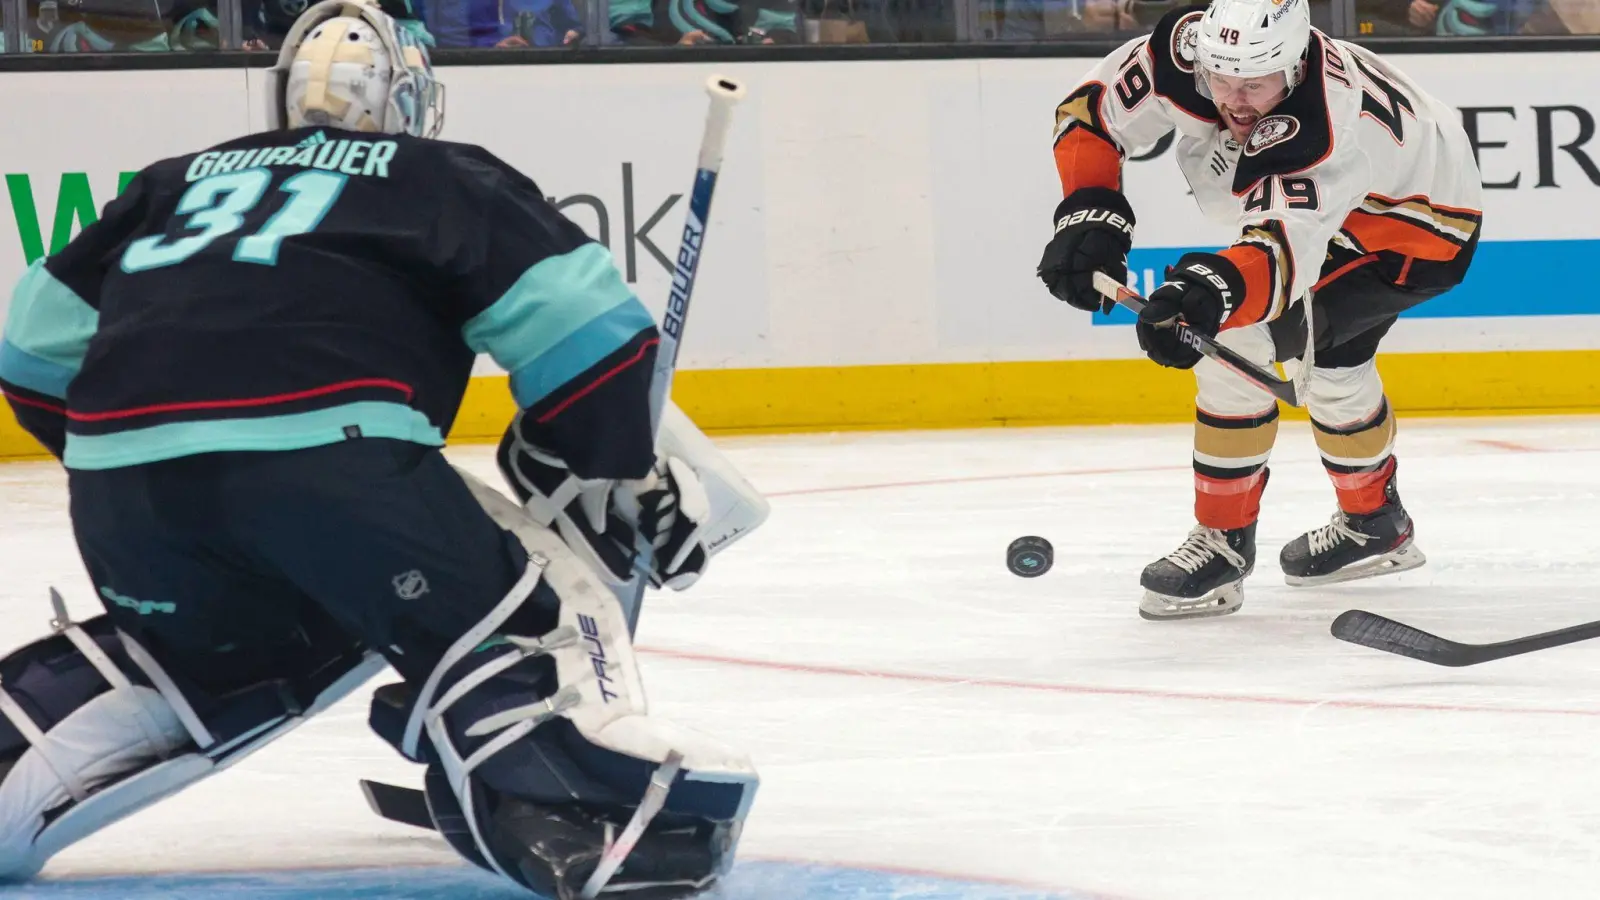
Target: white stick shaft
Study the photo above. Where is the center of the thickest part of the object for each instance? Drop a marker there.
(725, 92)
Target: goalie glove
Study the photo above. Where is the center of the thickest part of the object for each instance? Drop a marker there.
(599, 518)
(671, 507)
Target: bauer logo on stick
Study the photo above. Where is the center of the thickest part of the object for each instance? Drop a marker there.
(683, 278)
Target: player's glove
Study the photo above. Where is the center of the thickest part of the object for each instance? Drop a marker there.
(1094, 231)
(1196, 291)
(598, 518)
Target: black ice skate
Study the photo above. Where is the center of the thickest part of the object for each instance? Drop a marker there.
(1203, 577)
(1354, 546)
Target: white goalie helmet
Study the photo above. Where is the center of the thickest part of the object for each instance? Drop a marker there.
(345, 64)
(1254, 38)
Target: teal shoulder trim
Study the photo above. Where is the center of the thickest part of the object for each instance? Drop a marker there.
(268, 433)
(48, 328)
(564, 314)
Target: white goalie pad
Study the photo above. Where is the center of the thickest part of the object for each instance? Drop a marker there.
(600, 692)
(113, 756)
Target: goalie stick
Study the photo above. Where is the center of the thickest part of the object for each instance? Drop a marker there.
(1357, 626)
(724, 92)
(1281, 388)
(408, 806)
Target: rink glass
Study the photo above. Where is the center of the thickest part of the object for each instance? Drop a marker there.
(546, 31)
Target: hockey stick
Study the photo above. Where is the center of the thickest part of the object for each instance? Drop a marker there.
(1281, 388)
(1358, 626)
(725, 92)
(408, 806)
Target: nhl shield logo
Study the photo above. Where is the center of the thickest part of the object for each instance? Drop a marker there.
(410, 585)
(1270, 131)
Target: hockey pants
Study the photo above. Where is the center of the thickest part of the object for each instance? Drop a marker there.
(227, 564)
(1236, 422)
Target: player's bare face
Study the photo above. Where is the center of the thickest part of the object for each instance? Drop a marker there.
(1243, 101)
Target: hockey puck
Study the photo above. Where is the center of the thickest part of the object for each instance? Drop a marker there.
(1030, 556)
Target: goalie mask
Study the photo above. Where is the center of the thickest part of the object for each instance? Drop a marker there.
(346, 65)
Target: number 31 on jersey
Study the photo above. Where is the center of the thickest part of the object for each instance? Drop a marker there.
(217, 206)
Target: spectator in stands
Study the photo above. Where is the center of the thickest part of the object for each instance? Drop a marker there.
(503, 23)
(1035, 20)
(878, 21)
(1564, 17)
(1396, 17)
(101, 26)
(845, 22)
(1038, 20)
(1477, 17)
(267, 21)
(689, 22)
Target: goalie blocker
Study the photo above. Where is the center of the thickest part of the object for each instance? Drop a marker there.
(226, 628)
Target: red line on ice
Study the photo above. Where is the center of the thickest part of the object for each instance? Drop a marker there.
(1512, 446)
(970, 479)
(936, 874)
(1100, 691)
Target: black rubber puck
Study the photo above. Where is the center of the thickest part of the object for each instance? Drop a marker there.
(1030, 556)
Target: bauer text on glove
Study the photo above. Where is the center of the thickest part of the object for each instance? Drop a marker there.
(1200, 292)
(1093, 233)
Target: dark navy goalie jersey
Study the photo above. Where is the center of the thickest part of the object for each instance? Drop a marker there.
(295, 288)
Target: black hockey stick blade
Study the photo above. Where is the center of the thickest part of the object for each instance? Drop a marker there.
(408, 806)
(1367, 629)
(1281, 388)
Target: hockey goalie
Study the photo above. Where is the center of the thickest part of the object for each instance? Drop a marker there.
(247, 366)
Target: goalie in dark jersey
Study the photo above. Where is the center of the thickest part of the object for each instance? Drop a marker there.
(248, 366)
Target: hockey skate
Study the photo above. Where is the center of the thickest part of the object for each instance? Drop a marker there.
(1354, 546)
(1203, 577)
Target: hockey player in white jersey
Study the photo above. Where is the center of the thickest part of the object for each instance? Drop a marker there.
(1355, 195)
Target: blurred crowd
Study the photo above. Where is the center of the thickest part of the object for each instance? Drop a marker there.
(97, 26)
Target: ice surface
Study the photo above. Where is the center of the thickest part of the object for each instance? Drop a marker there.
(919, 712)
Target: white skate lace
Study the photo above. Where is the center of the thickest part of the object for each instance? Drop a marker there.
(1328, 536)
(1201, 546)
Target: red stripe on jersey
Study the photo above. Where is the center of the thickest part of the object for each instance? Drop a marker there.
(240, 404)
(591, 386)
(36, 404)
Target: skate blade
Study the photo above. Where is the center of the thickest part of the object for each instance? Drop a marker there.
(1403, 559)
(1220, 602)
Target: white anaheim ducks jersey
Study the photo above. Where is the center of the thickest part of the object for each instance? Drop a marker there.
(1357, 155)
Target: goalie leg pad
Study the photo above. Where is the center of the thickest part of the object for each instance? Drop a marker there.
(544, 763)
(94, 729)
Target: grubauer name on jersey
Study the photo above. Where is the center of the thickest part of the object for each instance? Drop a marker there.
(1358, 155)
